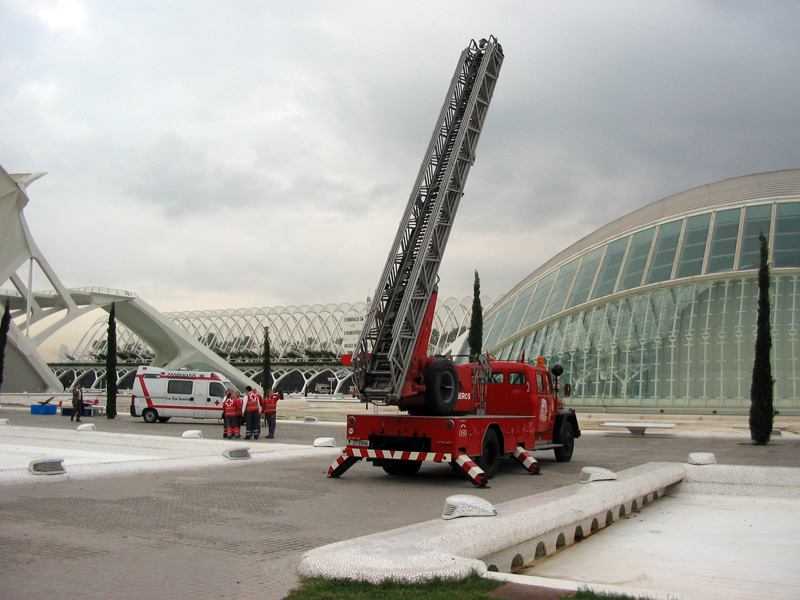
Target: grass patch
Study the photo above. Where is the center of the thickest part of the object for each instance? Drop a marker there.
(473, 588)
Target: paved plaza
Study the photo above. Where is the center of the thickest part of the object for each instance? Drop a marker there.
(218, 528)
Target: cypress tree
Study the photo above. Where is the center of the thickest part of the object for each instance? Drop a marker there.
(111, 365)
(475, 336)
(267, 377)
(5, 325)
(761, 388)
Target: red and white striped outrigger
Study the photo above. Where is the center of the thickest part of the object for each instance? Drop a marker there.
(464, 463)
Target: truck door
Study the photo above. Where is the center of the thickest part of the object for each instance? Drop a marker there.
(547, 409)
(208, 399)
(519, 393)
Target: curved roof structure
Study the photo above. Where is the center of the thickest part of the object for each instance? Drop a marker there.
(667, 240)
(296, 332)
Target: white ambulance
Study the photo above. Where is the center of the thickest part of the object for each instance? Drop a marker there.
(159, 394)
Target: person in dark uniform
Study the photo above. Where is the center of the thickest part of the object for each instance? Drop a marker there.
(77, 402)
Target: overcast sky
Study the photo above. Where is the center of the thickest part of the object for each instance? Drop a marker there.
(208, 154)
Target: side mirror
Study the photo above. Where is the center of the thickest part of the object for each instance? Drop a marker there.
(567, 390)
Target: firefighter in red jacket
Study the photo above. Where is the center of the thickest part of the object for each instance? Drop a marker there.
(270, 411)
(232, 410)
(252, 414)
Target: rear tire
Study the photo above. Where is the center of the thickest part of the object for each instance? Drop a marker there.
(489, 460)
(149, 415)
(564, 454)
(441, 387)
(404, 468)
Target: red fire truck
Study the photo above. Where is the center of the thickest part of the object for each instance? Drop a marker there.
(469, 415)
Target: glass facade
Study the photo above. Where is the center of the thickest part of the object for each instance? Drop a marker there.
(661, 314)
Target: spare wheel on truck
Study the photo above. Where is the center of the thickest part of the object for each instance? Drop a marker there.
(441, 387)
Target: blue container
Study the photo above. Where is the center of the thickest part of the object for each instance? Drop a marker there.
(43, 409)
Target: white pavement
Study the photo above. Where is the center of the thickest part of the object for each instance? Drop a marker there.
(689, 545)
(91, 454)
(735, 546)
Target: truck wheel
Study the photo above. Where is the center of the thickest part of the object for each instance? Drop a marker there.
(489, 460)
(441, 387)
(163, 419)
(405, 468)
(564, 454)
(149, 415)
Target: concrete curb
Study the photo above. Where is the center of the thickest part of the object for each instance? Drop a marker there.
(740, 480)
(452, 549)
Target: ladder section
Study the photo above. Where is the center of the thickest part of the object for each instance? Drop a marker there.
(391, 329)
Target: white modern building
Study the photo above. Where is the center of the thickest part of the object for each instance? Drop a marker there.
(657, 310)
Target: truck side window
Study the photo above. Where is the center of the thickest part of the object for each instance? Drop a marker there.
(516, 378)
(216, 389)
(541, 383)
(178, 386)
(496, 378)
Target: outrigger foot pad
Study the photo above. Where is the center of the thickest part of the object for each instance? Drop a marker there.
(341, 464)
(471, 470)
(526, 460)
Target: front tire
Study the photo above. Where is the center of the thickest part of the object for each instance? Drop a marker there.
(489, 460)
(149, 415)
(564, 454)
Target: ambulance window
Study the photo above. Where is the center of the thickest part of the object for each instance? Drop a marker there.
(179, 386)
(216, 389)
(496, 378)
(516, 378)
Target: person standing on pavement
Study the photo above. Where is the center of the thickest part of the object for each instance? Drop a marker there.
(252, 412)
(232, 410)
(270, 409)
(77, 402)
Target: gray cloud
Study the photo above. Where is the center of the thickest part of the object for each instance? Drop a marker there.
(252, 153)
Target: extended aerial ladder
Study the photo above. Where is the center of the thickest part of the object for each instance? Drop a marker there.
(393, 332)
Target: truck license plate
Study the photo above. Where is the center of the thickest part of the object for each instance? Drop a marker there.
(364, 443)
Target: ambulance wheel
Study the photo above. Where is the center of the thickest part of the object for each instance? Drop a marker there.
(564, 454)
(405, 468)
(163, 419)
(149, 415)
(489, 459)
(441, 387)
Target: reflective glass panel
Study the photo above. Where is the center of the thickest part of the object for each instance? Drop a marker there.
(664, 251)
(519, 310)
(637, 259)
(500, 320)
(607, 277)
(756, 219)
(786, 245)
(585, 277)
(539, 298)
(723, 241)
(561, 288)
